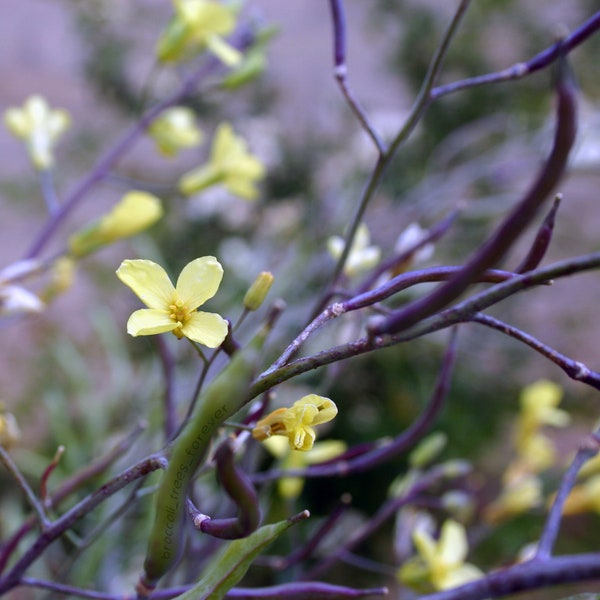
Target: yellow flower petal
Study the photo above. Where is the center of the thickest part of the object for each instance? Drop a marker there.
(149, 321)
(199, 280)
(148, 281)
(453, 545)
(205, 328)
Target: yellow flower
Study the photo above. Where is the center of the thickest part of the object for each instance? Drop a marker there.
(361, 258)
(440, 562)
(174, 130)
(296, 423)
(174, 308)
(518, 496)
(198, 25)
(291, 487)
(135, 212)
(230, 164)
(40, 128)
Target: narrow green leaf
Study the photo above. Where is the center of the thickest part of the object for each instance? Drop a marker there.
(231, 563)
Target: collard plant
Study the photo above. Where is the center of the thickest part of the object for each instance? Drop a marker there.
(188, 470)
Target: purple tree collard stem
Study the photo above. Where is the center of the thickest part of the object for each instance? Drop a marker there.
(507, 233)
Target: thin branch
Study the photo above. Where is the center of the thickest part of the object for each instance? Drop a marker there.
(459, 313)
(573, 368)
(530, 575)
(588, 450)
(341, 72)
(520, 70)
(505, 235)
(32, 498)
(68, 519)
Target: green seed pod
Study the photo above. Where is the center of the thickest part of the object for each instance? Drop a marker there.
(221, 399)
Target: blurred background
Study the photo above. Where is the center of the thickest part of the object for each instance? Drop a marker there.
(72, 377)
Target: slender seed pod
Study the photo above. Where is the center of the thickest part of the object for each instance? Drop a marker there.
(226, 394)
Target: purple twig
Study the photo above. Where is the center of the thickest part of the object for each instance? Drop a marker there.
(68, 519)
(520, 70)
(587, 450)
(513, 225)
(574, 369)
(341, 72)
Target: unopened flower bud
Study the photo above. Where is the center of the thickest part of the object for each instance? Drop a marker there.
(9, 430)
(428, 450)
(258, 291)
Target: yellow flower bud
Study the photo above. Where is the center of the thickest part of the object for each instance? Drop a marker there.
(9, 430)
(258, 291)
(134, 213)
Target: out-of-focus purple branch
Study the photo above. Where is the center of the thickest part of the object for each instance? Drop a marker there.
(494, 249)
(68, 519)
(389, 508)
(383, 160)
(542, 240)
(586, 451)
(574, 369)
(459, 313)
(382, 453)
(530, 575)
(520, 70)
(338, 20)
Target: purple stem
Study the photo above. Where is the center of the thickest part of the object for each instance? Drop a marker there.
(531, 575)
(552, 526)
(520, 70)
(515, 223)
(574, 369)
(68, 519)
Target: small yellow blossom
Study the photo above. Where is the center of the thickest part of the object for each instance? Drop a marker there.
(230, 164)
(174, 308)
(198, 25)
(518, 496)
(134, 213)
(296, 423)
(442, 562)
(175, 130)
(539, 403)
(258, 291)
(291, 487)
(361, 258)
(39, 126)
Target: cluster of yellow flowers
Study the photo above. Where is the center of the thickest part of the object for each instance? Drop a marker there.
(535, 451)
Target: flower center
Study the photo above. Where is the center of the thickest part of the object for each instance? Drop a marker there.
(180, 313)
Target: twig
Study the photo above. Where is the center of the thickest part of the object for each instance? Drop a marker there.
(552, 526)
(520, 70)
(32, 498)
(338, 20)
(574, 369)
